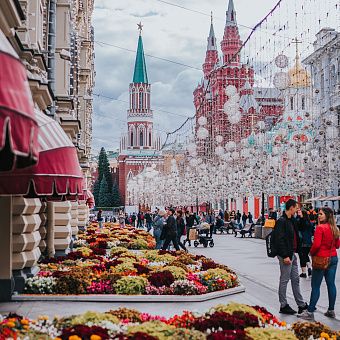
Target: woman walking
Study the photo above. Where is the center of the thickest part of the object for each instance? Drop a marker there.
(325, 262)
(306, 231)
(158, 227)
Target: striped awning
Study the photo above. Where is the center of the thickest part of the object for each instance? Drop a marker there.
(18, 126)
(58, 170)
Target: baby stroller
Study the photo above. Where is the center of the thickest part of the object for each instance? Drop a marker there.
(202, 236)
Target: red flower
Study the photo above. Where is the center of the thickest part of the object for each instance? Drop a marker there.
(84, 332)
(159, 279)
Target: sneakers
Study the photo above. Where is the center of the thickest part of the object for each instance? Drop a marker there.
(330, 314)
(302, 309)
(309, 271)
(303, 275)
(287, 310)
(306, 315)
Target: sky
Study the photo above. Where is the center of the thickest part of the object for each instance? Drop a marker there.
(169, 32)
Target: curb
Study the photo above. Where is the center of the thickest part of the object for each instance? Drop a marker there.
(129, 298)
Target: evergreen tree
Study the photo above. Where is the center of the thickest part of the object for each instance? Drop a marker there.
(115, 197)
(104, 168)
(96, 188)
(104, 194)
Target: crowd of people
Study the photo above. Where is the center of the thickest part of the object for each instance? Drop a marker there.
(310, 235)
(304, 234)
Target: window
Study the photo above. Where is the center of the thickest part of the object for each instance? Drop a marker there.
(322, 84)
(292, 103)
(149, 138)
(303, 103)
(141, 99)
(133, 96)
(141, 138)
(131, 138)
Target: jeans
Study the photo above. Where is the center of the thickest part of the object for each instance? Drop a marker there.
(171, 237)
(157, 235)
(148, 225)
(100, 224)
(290, 272)
(304, 257)
(317, 276)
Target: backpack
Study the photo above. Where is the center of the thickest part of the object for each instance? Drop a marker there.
(270, 244)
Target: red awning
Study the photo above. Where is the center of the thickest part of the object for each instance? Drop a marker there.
(58, 169)
(18, 126)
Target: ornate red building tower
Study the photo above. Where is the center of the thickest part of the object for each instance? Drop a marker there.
(140, 146)
(210, 97)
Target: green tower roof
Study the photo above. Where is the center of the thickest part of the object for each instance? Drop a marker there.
(140, 75)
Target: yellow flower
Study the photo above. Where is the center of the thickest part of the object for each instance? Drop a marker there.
(43, 317)
(26, 327)
(57, 338)
(24, 322)
(74, 337)
(95, 337)
(324, 335)
(11, 324)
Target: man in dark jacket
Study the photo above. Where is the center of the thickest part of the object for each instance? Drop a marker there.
(171, 231)
(287, 244)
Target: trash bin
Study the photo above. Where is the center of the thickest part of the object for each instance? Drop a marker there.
(258, 231)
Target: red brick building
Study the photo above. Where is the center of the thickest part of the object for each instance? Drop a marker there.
(256, 104)
(139, 146)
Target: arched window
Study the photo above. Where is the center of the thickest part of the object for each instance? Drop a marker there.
(149, 138)
(131, 138)
(133, 98)
(141, 100)
(303, 103)
(333, 77)
(292, 103)
(141, 139)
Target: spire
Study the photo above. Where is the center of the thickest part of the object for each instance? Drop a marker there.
(140, 75)
(211, 39)
(231, 14)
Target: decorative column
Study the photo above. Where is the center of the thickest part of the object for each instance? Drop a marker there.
(58, 228)
(25, 239)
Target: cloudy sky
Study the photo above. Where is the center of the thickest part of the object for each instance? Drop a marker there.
(169, 32)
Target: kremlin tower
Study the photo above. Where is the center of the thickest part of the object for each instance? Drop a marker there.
(140, 146)
(209, 96)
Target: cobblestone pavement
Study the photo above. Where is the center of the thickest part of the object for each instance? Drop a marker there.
(258, 273)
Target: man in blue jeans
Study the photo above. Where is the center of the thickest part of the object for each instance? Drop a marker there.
(287, 243)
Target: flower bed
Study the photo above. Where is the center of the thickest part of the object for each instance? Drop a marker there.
(111, 235)
(125, 272)
(233, 321)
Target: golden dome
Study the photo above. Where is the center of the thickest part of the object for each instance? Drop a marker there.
(298, 76)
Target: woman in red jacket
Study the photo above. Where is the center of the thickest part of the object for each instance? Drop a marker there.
(326, 242)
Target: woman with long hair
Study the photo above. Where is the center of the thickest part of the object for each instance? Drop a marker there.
(306, 230)
(325, 244)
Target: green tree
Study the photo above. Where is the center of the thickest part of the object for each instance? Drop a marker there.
(104, 168)
(115, 196)
(95, 191)
(104, 194)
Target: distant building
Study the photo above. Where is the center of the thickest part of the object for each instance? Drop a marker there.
(256, 104)
(324, 63)
(139, 146)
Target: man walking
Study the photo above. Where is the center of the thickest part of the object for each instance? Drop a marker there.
(171, 231)
(287, 244)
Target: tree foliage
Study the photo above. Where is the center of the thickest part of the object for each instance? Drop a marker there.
(104, 194)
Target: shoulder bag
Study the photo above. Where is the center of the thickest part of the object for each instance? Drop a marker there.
(320, 262)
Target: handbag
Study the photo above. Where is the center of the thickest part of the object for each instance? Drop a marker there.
(320, 262)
